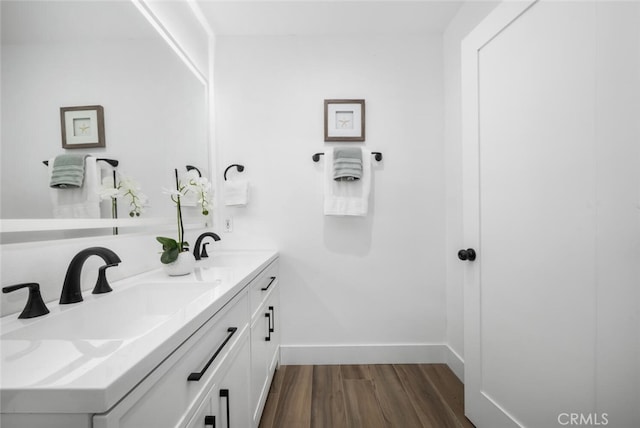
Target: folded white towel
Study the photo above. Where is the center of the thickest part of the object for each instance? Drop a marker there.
(81, 202)
(347, 197)
(236, 192)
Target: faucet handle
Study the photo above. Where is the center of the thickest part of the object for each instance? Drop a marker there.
(102, 285)
(35, 307)
(204, 253)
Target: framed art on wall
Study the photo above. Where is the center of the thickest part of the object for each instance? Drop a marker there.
(344, 120)
(82, 127)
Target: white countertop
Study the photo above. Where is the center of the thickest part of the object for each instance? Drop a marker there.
(70, 375)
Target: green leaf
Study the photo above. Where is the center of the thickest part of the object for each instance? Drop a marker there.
(167, 243)
(170, 255)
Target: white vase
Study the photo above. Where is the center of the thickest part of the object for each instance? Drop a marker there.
(183, 265)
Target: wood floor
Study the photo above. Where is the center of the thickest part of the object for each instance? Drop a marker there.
(367, 396)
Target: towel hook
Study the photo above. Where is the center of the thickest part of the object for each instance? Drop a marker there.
(316, 156)
(240, 169)
(191, 167)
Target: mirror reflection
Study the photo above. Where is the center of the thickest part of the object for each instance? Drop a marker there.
(72, 54)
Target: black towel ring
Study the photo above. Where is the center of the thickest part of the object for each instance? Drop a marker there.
(240, 169)
(191, 167)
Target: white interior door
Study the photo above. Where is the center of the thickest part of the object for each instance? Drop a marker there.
(539, 169)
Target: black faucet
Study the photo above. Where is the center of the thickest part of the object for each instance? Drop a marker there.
(196, 249)
(35, 306)
(71, 291)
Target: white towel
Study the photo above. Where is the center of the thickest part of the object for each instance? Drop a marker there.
(236, 192)
(82, 202)
(347, 197)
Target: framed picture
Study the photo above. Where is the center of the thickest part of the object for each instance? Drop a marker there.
(82, 127)
(343, 120)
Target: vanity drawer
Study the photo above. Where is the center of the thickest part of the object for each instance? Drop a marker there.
(261, 287)
(164, 398)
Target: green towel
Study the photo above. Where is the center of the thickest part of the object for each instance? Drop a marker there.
(347, 164)
(68, 172)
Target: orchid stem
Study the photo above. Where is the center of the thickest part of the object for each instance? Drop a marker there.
(179, 213)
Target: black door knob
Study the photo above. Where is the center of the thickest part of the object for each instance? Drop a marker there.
(468, 254)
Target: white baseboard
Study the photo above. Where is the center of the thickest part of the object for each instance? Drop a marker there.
(363, 354)
(455, 363)
(421, 353)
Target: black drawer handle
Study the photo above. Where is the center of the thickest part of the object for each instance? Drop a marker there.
(197, 375)
(210, 420)
(268, 338)
(272, 320)
(224, 393)
(273, 278)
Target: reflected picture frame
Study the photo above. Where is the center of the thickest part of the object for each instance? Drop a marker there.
(82, 127)
(344, 120)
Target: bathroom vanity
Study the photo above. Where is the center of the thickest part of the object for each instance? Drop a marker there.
(193, 351)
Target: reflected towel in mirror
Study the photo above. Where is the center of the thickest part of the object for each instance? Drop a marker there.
(81, 202)
(236, 192)
(67, 171)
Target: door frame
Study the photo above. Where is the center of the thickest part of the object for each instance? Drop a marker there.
(479, 407)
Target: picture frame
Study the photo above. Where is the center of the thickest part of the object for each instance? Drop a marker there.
(82, 127)
(344, 120)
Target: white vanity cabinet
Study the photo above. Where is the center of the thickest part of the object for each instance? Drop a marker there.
(265, 338)
(183, 373)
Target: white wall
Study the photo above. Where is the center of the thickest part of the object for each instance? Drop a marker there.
(375, 280)
(469, 15)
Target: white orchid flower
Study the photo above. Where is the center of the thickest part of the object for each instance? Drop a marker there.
(125, 188)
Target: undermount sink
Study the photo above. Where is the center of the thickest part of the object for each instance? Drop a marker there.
(122, 314)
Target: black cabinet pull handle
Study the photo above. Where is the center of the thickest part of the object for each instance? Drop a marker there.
(224, 393)
(268, 338)
(210, 420)
(273, 278)
(468, 254)
(272, 320)
(197, 375)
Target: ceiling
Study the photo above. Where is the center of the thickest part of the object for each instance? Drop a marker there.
(36, 21)
(327, 17)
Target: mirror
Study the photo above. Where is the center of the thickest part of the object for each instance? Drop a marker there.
(70, 53)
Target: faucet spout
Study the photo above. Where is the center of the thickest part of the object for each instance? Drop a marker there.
(196, 249)
(71, 290)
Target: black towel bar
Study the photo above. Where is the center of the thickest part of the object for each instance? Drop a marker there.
(111, 162)
(316, 156)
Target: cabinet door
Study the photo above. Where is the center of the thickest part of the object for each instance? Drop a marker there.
(272, 308)
(265, 351)
(259, 356)
(232, 398)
